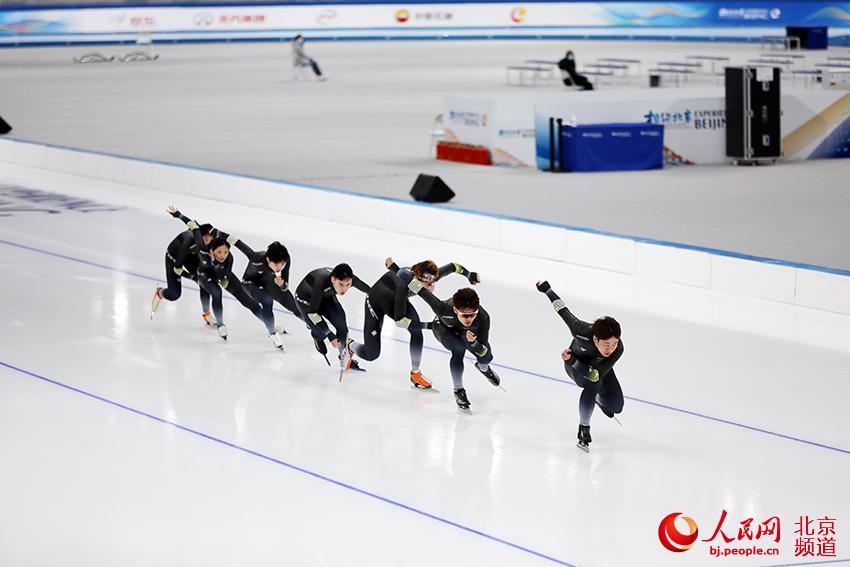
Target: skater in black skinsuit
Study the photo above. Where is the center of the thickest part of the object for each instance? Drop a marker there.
(461, 325)
(181, 261)
(589, 361)
(266, 278)
(215, 271)
(389, 297)
(317, 302)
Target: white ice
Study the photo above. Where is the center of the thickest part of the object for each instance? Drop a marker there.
(131, 441)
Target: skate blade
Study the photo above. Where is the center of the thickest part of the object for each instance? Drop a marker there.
(467, 411)
(501, 388)
(431, 390)
(617, 420)
(358, 369)
(585, 448)
(326, 359)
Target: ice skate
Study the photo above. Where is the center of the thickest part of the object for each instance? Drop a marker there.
(584, 438)
(419, 382)
(209, 318)
(157, 299)
(346, 357)
(276, 341)
(604, 410)
(490, 374)
(608, 412)
(222, 331)
(462, 401)
(323, 349)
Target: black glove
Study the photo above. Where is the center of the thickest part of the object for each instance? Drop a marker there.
(474, 278)
(543, 287)
(175, 214)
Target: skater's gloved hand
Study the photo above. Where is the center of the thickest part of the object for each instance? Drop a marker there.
(178, 270)
(278, 281)
(471, 337)
(174, 211)
(335, 343)
(543, 286)
(566, 355)
(404, 323)
(474, 278)
(415, 286)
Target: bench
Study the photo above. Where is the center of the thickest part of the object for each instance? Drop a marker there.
(534, 72)
(775, 41)
(833, 65)
(713, 60)
(684, 68)
(630, 62)
(810, 77)
(761, 61)
(674, 72)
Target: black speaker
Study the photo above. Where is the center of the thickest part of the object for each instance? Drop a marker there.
(4, 126)
(753, 113)
(431, 189)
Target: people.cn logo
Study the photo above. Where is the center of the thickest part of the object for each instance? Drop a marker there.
(518, 14)
(672, 538)
(402, 15)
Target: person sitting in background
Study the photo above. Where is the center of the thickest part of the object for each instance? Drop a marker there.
(301, 59)
(570, 75)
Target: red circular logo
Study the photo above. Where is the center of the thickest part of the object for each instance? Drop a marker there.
(672, 538)
(402, 15)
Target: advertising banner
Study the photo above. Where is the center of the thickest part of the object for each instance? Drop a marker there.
(399, 17)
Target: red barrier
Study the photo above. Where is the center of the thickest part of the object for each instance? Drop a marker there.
(452, 151)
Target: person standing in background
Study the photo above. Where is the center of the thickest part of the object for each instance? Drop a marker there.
(301, 59)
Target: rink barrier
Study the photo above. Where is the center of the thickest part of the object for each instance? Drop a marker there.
(817, 287)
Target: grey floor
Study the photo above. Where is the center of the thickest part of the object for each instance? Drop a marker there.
(235, 107)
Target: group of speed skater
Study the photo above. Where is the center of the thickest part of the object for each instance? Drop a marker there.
(202, 253)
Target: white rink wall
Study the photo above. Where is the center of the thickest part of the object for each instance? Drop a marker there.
(766, 298)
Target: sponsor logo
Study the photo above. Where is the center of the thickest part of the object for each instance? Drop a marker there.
(519, 15)
(404, 15)
(143, 22)
(775, 13)
(688, 119)
(15, 201)
(747, 14)
(326, 17)
(203, 20)
(241, 19)
(468, 118)
(516, 133)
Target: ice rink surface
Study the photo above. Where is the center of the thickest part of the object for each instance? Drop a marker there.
(136, 441)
